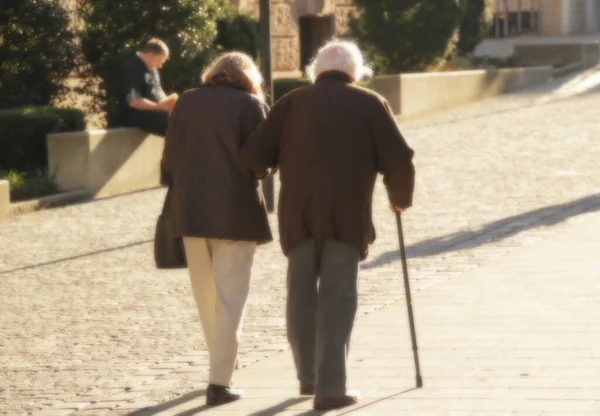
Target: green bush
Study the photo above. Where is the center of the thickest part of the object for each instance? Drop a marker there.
(238, 32)
(115, 29)
(409, 35)
(37, 52)
(282, 86)
(468, 62)
(23, 135)
(28, 186)
(474, 25)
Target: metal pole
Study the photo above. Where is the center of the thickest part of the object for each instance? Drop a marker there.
(534, 15)
(519, 17)
(506, 14)
(267, 73)
(411, 318)
(497, 19)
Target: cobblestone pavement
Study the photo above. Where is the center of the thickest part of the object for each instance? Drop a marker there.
(87, 320)
(515, 336)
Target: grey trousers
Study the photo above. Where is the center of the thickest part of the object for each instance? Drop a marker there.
(322, 300)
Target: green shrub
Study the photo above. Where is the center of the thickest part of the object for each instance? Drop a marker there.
(468, 62)
(409, 35)
(237, 31)
(37, 52)
(23, 134)
(282, 86)
(474, 25)
(29, 186)
(115, 29)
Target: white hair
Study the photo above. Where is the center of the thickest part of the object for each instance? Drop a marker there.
(340, 56)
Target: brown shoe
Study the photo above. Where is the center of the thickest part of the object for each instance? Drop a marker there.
(326, 403)
(216, 395)
(307, 389)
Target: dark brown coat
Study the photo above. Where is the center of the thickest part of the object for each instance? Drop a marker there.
(329, 141)
(214, 195)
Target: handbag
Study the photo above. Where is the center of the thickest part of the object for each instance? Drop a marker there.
(169, 251)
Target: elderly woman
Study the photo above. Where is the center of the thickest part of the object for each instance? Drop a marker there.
(329, 140)
(217, 207)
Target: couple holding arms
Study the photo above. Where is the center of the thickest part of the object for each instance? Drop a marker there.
(328, 141)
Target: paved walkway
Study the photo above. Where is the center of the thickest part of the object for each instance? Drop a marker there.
(519, 335)
(89, 325)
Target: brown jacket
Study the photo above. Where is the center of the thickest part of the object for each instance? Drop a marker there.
(214, 195)
(329, 141)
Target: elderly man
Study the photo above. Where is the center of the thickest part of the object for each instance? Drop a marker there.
(143, 102)
(329, 141)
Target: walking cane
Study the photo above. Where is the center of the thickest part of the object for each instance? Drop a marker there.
(411, 319)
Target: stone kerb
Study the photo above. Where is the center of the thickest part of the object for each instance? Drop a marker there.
(106, 162)
(4, 200)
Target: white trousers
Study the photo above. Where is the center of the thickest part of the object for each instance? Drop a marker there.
(220, 274)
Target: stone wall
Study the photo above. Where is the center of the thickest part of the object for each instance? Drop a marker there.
(420, 94)
(285, 16)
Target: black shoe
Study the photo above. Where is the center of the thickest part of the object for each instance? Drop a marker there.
(307, 389)
(334, 402)
(216, 395)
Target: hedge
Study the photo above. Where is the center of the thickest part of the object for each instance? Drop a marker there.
(282, 86)
(113, 30)
(408, 35)
(37, 52)
(23, 135)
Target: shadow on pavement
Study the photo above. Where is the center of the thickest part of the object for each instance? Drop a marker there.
(357, 408)
(278, 408)
(392, 396)
(270, 411)
(155, 410)
(494, 231)
(80, 256)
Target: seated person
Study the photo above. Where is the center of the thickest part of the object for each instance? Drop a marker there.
(143, 102)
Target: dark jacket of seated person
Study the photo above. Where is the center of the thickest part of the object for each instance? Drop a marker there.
(142, 100)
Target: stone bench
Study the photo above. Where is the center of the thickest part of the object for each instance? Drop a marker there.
(106, 162)
(415, 95)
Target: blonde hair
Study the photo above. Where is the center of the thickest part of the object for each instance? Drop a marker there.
(340, 56)
(237, 69)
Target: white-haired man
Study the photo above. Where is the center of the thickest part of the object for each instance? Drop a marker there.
(329, 141)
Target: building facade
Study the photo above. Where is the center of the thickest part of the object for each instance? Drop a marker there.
(546, 17)
(569, 17)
